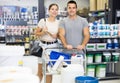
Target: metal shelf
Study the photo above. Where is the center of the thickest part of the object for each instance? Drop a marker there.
(15, 43)
(106, 37)
(98, 11)
(104, 50)
(103, 62)
(110, 76)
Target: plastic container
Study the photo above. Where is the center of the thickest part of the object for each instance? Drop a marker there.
(77, 59)
(98, 57)
(101, 70)
(109, 44)
(115, 56)
(86, 79)
(91, 70)
(115, 44)
(69, 73)
(58, 62)
(91, 46)
(55, 55)
(106, 56)
(101, 46)
(89, 58)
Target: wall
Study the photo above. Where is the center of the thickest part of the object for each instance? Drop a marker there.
(29, 3)
(23, 3)
(63, 3)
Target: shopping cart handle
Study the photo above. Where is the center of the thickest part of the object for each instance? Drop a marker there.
(64, 48)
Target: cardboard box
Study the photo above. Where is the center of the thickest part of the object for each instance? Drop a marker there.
(91, 46)
(93, 5)
(101, 46)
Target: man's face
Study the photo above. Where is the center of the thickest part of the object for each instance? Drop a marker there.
(72, 9)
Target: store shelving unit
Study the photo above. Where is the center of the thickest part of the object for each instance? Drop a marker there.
(100, 15)
(17, 33)
(98, 39)
(97, 15)
(17, 22)
(110, 66)
(2, 34)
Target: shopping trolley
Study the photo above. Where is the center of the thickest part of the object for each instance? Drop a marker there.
(51, 59)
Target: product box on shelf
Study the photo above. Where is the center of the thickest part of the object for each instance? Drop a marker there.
(103, 30)
(101, 46)
(91, 46)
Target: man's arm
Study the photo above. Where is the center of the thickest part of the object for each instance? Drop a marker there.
(85, 40)
(86, 36)
(61, 36)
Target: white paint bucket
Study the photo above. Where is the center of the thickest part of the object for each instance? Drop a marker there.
(69, 73)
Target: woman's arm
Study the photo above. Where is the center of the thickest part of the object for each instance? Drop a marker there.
(52, 35)
(39, 31)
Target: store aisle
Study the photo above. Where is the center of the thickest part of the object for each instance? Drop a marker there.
(31, 61)
(56, 79)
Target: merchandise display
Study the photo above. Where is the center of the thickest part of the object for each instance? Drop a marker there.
(17, 34)
(104, 43)
(2, 34)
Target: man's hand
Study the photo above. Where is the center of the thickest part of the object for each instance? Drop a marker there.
(80, 47)
(69, 47)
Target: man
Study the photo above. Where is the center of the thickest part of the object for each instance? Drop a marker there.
(74, 31)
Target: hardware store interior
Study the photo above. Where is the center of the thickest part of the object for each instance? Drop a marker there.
(101, 59)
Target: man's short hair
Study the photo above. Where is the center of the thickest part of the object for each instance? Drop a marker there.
(72, 2)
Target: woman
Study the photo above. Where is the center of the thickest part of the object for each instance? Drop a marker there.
(47, 32)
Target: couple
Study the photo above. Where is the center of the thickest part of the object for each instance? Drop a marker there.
(72, 31)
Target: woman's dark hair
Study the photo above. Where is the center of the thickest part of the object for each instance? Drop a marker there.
(53, 5)
(72, 2)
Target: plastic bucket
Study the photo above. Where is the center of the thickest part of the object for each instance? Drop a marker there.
(91, 70)
(69, 73)
(98, 57)
(86, 79)
(55, 55)
(89, 58)
(115, 56)
(106, 56)
(101, 70)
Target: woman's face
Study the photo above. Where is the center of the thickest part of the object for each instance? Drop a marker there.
(53, 11)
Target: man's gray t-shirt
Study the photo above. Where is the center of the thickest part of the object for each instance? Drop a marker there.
(74, 30)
